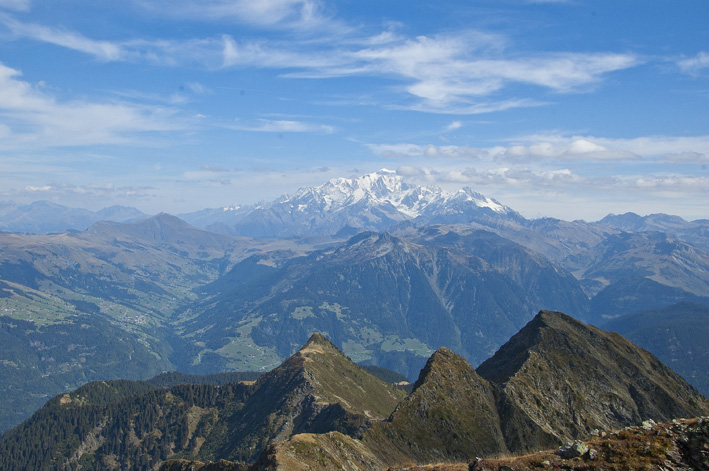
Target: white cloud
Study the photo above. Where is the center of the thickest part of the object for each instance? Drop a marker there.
(264, 13)
(679, 185)
(447, 73)
(31, 118)
(18, 5)
(197, 88)
(589, 156)
(212, 168)
(465, 107)
(495, 177)
(275, 55)
(570, 149)
(694, 65)
(207, 52)
(103, 50)
(414, 150)
(646, 146)
(283, 126)
(496, 181)
(450, 73)
(53, 190)
(454, 125)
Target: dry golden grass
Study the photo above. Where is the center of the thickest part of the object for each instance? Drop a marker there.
(630, 449)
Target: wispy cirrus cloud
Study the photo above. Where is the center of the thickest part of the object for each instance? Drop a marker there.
(694, 65)
(17, 5)
(448, 73)
(283, 126)
(264, 13)
(54, 190)
(30, 118)
(453, 72)
(102, 50)
(213, 168)
(207, 52)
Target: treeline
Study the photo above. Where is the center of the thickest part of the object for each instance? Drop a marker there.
(136, 431)
(173, 378)
(40, 361)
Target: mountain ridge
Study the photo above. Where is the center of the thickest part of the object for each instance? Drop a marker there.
(206, 302)
(455, 414)
(318, 410)
(540, 363)
(375, 201)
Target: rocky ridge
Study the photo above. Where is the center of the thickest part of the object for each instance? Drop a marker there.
(556, 381)
(320, 411)
(565, 379)
(317, 390)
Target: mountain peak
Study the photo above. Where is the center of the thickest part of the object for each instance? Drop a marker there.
(555, 319)
(444, 362)
(319, 344)
(337, 193)
(318, 338)
(316, 390)
(335, 379)
(375, 201)
(633, 222)
(592, 378)
(450, 414)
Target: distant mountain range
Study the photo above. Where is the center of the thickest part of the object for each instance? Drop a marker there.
(384, 299)
(389, 272)
(43, 217)
(555, 380)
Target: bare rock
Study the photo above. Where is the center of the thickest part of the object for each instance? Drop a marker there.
(573, 449)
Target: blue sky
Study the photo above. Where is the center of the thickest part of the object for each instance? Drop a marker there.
(571, 109)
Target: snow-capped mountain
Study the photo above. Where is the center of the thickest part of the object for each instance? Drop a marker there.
(385, 187)
(375, 201)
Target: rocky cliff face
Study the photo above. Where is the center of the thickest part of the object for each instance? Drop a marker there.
(568, 378)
